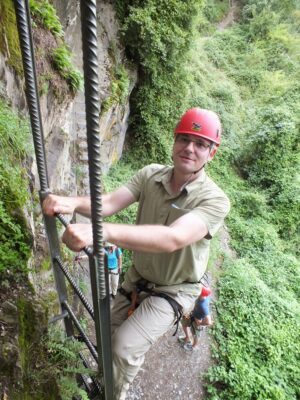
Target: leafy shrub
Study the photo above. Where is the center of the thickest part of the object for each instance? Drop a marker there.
(62, 62)
(157, 37)
(64, 362)
(119, 87)
(54, 366)
(256, 332)
(46, 14)
(9, 39)
(215, 10)
(15, 241)
(271, 160)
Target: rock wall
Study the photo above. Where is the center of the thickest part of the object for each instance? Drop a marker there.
(113, 123)
(64, 123)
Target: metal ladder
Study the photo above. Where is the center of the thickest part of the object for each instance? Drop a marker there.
(102, 387)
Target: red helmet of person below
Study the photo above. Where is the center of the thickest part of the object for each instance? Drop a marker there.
(200, 122)
(205, 292)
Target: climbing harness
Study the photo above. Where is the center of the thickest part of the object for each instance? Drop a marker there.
(100, 311)
(141, 286)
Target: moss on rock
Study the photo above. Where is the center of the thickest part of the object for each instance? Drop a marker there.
(23, 356)
(9, 39)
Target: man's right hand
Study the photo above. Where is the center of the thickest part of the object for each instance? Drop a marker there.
(78, 236)
(59, 205)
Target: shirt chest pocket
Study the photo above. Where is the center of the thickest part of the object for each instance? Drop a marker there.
(176, 212)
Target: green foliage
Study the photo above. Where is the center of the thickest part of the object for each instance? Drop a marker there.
(157, 35)
(119, 87)
(258, 306)
(27, 330)
(215, 10)
(15, 242)
(45, 13)
(62, 62)
(259, 87)
(9, 38)
(258, 338)
(271, 160)
(117, 176)
(52, 367)
(64, 363)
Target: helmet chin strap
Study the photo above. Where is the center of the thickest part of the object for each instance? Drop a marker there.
(198, 170)
(191, 176)
(186, 182)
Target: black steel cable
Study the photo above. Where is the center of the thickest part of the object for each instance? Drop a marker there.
(77, 290)
(27, 50)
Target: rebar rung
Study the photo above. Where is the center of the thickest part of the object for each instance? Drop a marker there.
(58, 317)
(75, 287)
(84, 336)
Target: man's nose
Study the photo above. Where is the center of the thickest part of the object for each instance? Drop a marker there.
(190, 146)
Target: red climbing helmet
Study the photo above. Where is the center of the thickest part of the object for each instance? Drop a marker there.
(200, 122)
(205, 291)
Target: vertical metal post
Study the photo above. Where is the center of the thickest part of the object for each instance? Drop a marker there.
(27, 50)
(98, 274)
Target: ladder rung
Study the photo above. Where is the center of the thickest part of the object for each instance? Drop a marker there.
(59, 317)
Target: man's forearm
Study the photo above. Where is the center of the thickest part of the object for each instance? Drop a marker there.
(83, 206)
(157, 238)
(145, 238)
(111, 202)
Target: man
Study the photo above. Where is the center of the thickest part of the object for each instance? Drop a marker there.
(194, 322)
(114, 265)
(180, 209)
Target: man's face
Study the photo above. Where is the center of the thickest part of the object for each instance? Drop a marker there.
(191, 152)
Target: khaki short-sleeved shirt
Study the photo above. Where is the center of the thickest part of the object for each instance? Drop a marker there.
(183, 268)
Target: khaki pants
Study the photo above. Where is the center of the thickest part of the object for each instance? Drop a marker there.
(113, 277)
(132, 337)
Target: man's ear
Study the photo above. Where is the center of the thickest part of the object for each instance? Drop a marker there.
(212, 153)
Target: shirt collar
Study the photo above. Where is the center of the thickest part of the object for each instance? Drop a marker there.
(165, 179)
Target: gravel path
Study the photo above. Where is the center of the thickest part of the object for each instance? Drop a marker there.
(169, 372)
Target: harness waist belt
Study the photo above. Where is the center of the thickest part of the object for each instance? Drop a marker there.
(177, 308)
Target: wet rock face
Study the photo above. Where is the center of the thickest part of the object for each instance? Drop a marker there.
(72, 177)
(64, 119)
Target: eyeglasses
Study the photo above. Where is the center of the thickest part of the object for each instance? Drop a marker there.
(200, 144)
